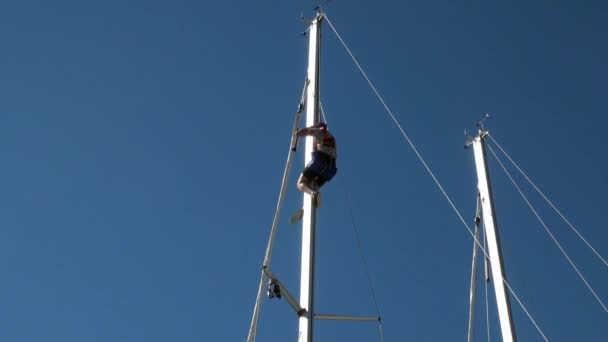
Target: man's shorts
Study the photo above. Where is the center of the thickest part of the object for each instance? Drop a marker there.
(321, 169)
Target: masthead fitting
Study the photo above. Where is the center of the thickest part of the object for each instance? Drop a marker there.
(483, 118)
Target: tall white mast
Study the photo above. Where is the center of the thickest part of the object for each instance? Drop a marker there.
(308, 219)
(489, 218)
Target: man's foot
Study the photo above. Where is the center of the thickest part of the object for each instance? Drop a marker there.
(297, 216)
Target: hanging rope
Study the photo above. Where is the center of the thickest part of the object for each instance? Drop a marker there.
(359, 244)
(447, 197)
(548, 201)
(363, 259)
(485, 280)
(275, 221)
(322, 112)
(473, 288)
(548, 231)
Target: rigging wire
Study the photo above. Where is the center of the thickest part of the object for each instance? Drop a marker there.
(474, 269)
(548, 230)
(275, 221)
(548, 201)
(428, 169)
(363, 259)
(485, 280)
(267, 257)
(322, 112)
(359, 244)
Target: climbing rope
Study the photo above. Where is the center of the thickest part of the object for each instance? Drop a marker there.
(275, 221)
(447, 197)
(548, 230)
(548, 201)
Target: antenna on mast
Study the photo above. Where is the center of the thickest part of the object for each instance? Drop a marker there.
(484, 117)
(319, 7)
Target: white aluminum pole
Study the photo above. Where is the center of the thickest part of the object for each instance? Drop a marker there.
(308, 219)
(489, 218)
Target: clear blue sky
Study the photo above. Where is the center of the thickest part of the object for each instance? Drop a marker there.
(143, 142)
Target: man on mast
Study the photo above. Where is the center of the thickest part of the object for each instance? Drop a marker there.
(322, 167)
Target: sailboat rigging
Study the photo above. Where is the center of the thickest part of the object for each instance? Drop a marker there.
(304, 308)
(485, 220)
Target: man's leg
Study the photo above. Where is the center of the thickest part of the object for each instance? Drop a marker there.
(310, 187)
(304, 185)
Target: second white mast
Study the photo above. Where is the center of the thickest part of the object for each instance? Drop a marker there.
(489, 219)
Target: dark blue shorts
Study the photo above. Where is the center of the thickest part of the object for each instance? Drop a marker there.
(321, 169)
